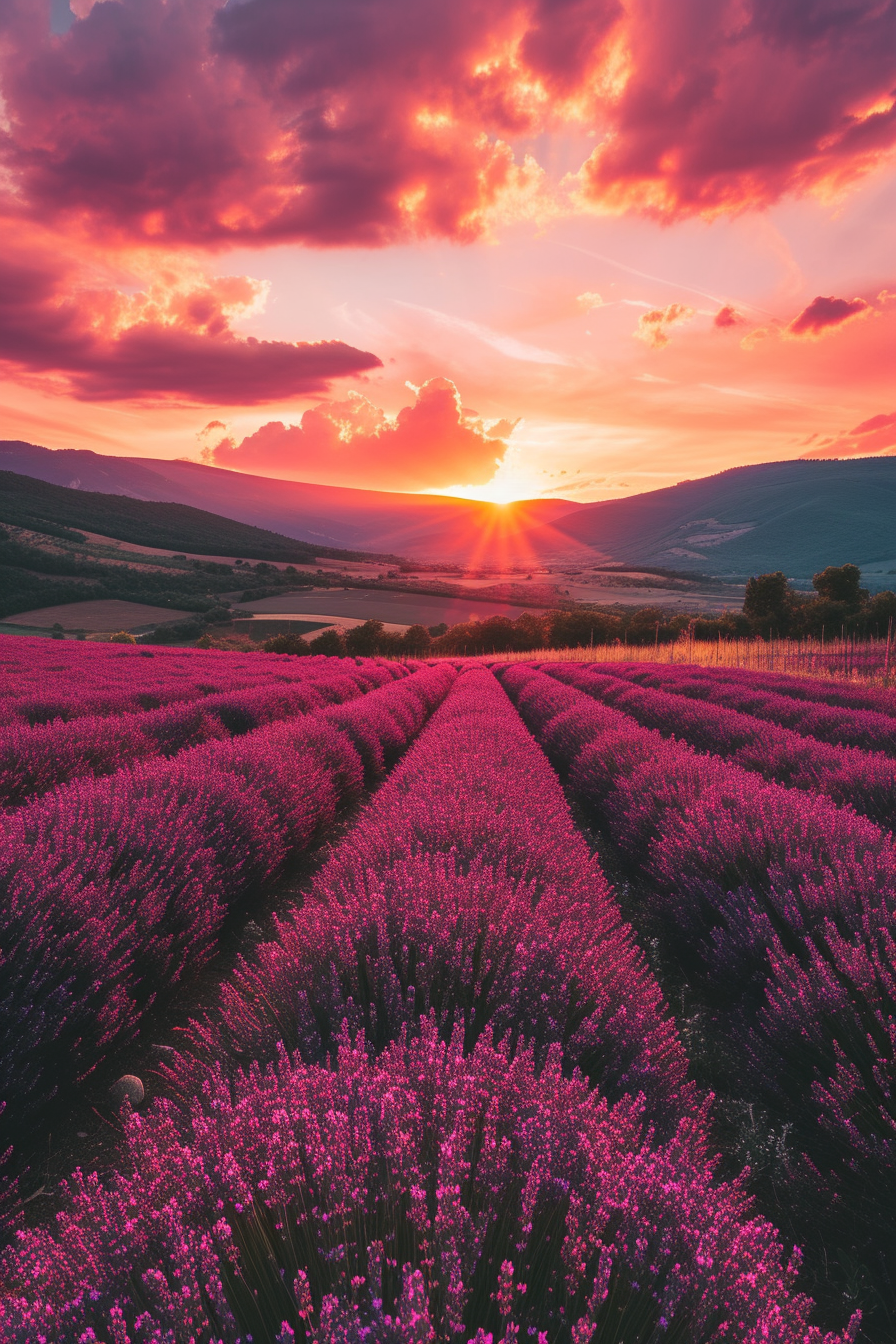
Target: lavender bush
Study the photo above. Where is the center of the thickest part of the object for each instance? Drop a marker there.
(846, 725)
(778, 907)
(860, 779)
(427, 1195)
(36, 759)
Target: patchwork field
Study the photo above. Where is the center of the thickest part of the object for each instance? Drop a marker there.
(350, 1000)
(97, 616)
(399, 609)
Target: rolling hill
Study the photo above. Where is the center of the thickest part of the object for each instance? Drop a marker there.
(56, 509)
(796, 516)
(424, 526)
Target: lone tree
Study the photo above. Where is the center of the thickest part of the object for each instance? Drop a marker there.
(840, 583)
(768, 602)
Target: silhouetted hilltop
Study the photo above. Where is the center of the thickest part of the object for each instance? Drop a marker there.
(796, 516)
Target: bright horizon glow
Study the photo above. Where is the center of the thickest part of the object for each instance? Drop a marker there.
(481, 494)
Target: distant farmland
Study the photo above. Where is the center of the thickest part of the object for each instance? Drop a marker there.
(395, 608)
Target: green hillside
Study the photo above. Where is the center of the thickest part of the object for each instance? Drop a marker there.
(795, 516)
(45, 560)
(27, 502)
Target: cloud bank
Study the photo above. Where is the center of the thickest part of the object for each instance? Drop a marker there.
(353, 442)
(336, 122)
(172, 341)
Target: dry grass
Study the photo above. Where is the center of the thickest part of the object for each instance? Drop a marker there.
(867, 663)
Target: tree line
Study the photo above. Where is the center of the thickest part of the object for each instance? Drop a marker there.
(838, 605)
(772, 608)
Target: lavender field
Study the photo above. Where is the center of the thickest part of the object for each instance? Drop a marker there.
(348, 1001)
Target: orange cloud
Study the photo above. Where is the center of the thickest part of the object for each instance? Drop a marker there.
(172, 340)
(353, 442)
(652, 326)
(330, 122)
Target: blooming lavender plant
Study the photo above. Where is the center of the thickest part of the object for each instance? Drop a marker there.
(850, 777)
(44, 681)
(847, 725)
(808, 689)
(779, 908)
(36, 759)
(425, 1195)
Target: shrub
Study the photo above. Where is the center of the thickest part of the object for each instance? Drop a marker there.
(464, 890)
(365, 640)
(114, 890)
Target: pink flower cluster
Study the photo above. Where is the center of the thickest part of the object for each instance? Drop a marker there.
(464, 890)
(428, 1194)
(843, 725)
(445, 1100)
(445, 1103)
(43, 680)
(36, 759)
(810, 689)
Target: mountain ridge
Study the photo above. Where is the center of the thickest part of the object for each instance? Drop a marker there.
(795, 515)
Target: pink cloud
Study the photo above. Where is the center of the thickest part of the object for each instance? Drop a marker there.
(727, 317)
(877, 422)
(172, 342)
(335, 123)
(731, 105)
(823, 314)
(352, 442)
(876, 435)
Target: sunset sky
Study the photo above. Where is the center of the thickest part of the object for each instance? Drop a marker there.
(567, 247)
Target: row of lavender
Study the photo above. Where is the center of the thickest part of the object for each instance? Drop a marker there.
(844, 694)
(847, 724)
(864, 780)
(775, 909)
(36, 759)
(445, 1102)
(42, 681)
(114, 890)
